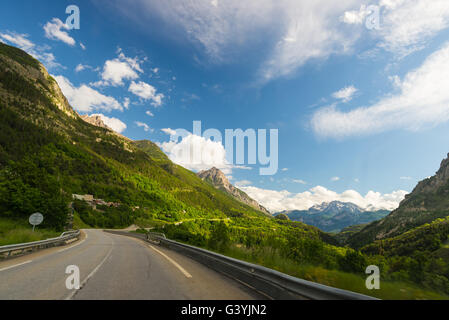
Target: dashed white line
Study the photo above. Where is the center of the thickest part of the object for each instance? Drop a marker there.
(188, 275)
(70, 296)
(16, 265)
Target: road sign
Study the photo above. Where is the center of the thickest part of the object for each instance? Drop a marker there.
(36, 219)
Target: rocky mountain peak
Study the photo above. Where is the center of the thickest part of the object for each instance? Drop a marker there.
(95, 120)
(216, 177)
(219, 180)
(432, 184)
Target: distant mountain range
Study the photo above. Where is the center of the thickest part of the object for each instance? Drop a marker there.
(218, 179)
(335, 216)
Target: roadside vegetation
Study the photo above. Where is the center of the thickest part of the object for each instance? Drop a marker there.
(14, 231)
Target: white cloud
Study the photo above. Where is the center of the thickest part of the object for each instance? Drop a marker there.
(54, 31)
(196, 153)
(86, 99)
(82, 46)
(243, 183)
(144, 126)
(115, 124)
(284, 169)
(422, 101)
(283, 200)
(126, 103)
(346, 94)
(335, 179)
(299, 181)
(19, 40)
(119, 69)
(293, 31)
(169, 131)
(81, 67)
(355, 16)
(407, 25)
(146, 92)
(149, 113)
(38, 52)
(405, 178)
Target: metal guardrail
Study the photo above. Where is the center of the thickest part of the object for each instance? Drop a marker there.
(53, 242)
(274, 284)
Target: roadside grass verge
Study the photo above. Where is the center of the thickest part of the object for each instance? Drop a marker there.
(19, 231)
(389, 290)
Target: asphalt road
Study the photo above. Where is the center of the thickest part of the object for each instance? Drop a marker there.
(115, 267)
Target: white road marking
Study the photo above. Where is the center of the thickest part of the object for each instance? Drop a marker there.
(70, 296)
(16, 265)
(188, 275)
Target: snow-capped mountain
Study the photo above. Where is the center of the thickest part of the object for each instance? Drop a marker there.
(336, 215)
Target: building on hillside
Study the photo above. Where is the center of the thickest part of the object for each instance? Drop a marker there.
(86, 197)
(94, 202)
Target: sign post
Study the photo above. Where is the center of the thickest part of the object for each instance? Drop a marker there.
(36, 219)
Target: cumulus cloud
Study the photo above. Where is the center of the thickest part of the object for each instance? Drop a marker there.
(149, 113)
(86, 99)
(143, 125)
(81, 67)
(126, 103)
(422, 101)
(38, 52)
(346, 94)
(196, 153)
(119, 69)
(54, 30)
(115, 124)
(276, 201)
(146, 92)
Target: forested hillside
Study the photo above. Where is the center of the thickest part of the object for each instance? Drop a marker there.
(427, 202)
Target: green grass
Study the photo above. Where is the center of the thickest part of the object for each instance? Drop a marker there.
(19, 231)
(78, 223)
(389, 290)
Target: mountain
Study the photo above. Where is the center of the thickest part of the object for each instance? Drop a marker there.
(218, 179)
(427, 202)
(335, 215)
(48, 152)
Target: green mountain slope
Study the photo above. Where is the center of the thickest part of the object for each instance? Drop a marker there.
(428, 201)
(47, 153)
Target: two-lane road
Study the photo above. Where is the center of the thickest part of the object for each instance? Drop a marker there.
(115, 267)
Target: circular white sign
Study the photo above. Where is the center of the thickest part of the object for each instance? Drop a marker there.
(36, 219)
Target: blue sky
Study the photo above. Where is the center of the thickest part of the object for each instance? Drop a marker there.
(362, 112)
